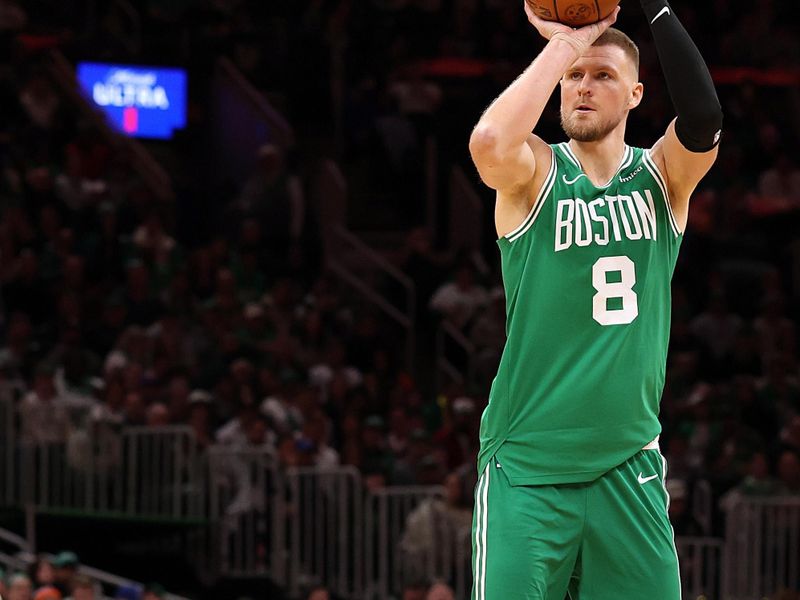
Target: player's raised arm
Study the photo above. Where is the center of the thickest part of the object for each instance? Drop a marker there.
(689, 148)
(501, 144)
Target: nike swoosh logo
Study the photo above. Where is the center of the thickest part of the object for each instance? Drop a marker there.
(571, 181)
(643, 480)
(663, 11)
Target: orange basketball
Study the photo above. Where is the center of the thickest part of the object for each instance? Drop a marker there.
(575, 13)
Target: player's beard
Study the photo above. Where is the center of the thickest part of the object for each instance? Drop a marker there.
(588, 132)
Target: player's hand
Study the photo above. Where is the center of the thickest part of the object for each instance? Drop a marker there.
(580, 39)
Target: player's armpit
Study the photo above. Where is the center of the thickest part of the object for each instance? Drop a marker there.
(683, 170)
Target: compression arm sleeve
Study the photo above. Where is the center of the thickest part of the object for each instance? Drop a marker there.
(690, 86)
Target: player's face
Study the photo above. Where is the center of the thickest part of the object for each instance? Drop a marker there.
(597, 92)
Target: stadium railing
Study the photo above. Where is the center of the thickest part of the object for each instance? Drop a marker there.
(762, 553)
(393, 558)
(304, 525)
(247, 513)
(137, 472)
(701, 565)
(325, 524)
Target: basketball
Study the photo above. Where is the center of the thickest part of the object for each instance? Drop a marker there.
(575, 13)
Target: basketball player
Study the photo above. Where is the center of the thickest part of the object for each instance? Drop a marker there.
(571, 496)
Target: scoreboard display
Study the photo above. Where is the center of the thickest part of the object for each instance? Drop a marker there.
(146, 102)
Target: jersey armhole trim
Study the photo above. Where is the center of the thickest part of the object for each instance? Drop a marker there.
(661, 181)
(527, 223)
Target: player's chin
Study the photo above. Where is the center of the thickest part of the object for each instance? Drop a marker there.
(583, 132)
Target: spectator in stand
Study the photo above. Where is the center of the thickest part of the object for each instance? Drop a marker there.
(488, 334)
(66, 565)
(200, 407)
(424, 265)
(154, 591)
(788, 470)
(47, 593)
(83, 588)
(407, 464)
(790, 434)
(716, 328)
(315, 429)
(436, 522)
(459, 300)
(20, 587)
(275, 197)
(779, 387)
(44, 411)
(440, 591)
(42, 571)
(757, 482)
(683, 522)
(12, 17)
(776, 332)
(458, 436)
(157, 415)
(319, 593)
(779, 186)
(414, 591)
(377, 461)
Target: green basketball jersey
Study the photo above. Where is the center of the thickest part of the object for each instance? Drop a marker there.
(587, 278)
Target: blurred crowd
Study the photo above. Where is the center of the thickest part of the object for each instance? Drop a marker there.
(113, 313)
(59, 578)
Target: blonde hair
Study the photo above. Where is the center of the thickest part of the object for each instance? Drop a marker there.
(615, 37)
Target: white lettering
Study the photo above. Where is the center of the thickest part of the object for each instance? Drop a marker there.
(160, 98)
(564, 224)
(624, 217)
(647, 213)
(583, 224)
(633, 229)
(599, 239)
(130, 90)
(123, 76)
(612, 211)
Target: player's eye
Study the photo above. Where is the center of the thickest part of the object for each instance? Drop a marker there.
(576, 75)
(604, 75)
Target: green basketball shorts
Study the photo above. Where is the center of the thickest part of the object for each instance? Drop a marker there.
(609, 539)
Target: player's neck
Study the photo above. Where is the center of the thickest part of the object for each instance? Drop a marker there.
(601, 159)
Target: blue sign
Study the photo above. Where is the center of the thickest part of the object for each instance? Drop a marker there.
(148, 102)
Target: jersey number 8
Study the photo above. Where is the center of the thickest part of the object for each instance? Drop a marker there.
(617, 291)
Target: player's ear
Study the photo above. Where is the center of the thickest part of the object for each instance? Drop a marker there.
(636, 96)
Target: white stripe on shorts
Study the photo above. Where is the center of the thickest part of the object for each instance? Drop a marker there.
(481, 521)
(666, 493)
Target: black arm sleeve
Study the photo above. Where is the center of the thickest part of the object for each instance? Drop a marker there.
(690, 86)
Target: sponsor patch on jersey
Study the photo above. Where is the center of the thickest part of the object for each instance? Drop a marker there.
(632, 175)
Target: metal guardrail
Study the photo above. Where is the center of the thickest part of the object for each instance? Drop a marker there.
(348, 244)
(138, 472)
(325, 529)
(762, 547)
(701, 566)
(390, 562)
(247, 509)
(300, 526)
(8, 447)
(702, 505)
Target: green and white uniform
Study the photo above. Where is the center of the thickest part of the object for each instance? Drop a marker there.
(576, 398)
